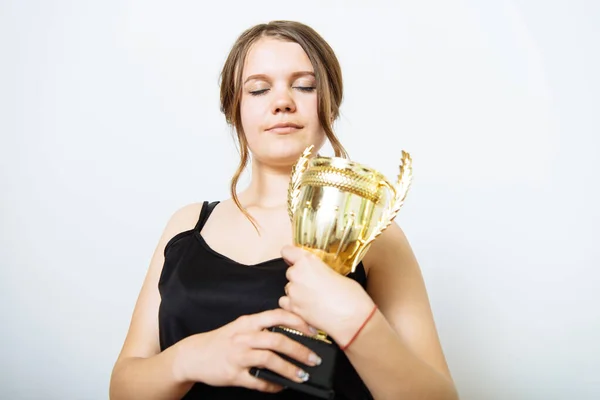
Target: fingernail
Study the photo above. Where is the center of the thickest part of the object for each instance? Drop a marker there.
(303, 375)
(313, 331)
(314, 359)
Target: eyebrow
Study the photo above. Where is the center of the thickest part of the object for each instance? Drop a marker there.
(265, 77)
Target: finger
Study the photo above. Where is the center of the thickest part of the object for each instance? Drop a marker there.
(289, 273)
(280, 343)
(271, 361)
(285, 303)
(251, 382)
(292, 254)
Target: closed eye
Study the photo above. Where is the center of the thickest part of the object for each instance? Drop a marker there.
(305, 88)
(258, 92)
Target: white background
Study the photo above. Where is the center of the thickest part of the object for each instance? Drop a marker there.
(110, 122)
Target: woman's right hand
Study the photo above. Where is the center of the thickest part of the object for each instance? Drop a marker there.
(223, 357)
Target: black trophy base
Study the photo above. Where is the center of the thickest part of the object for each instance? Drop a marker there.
(320, 382)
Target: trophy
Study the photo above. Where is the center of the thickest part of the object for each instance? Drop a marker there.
(338, 208)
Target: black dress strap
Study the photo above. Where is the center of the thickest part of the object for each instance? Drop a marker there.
(207, 209)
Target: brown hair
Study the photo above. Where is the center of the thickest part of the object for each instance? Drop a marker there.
(328, 77)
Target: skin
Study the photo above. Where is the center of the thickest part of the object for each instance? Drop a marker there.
(397, 353)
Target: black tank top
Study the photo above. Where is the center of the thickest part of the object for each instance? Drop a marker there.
(202, 290)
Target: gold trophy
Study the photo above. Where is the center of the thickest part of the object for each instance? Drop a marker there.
(338, 208)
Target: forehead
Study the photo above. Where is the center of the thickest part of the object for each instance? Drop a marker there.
(275, 57)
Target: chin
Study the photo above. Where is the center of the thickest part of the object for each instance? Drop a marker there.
(286, 155)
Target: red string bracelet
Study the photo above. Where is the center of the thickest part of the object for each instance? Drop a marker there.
(361, 328)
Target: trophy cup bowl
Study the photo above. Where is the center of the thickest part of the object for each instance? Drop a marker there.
(338, 208)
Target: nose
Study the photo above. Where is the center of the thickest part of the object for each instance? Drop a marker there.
(283, 102)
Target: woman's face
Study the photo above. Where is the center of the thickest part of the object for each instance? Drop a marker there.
(279, 102)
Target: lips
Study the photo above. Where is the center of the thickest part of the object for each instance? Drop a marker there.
(285, 127)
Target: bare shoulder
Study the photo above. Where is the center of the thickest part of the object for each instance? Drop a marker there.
(183, 219)
(226, 213)
(390, 250)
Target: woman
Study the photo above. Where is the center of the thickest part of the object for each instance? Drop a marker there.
(224, 272)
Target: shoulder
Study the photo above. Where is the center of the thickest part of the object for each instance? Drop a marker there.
(181, 220)
(225, 212)
(185, 217)
(390, 250)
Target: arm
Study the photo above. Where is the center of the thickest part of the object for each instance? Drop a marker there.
(398, 353)
(141, 370)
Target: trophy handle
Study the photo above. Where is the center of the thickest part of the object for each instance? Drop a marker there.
(399, 194)
(295, 179)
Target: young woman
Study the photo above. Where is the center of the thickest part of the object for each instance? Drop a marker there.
(225, 271)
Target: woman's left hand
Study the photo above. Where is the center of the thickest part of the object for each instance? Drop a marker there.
(322, 297)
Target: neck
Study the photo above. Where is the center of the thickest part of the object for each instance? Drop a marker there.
(268, 187)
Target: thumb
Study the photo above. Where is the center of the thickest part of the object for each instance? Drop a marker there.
(292, 254)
